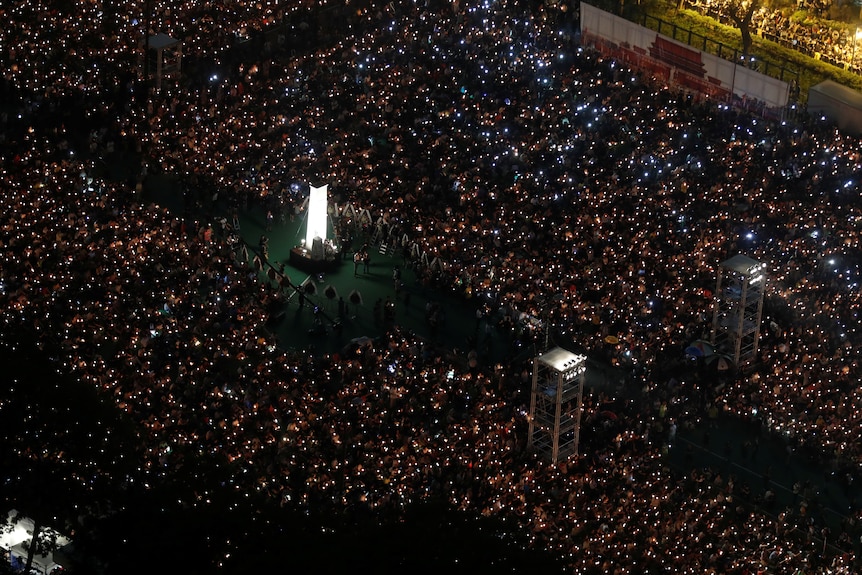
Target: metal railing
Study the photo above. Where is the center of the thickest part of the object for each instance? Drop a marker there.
(808, 48)
(710, 45)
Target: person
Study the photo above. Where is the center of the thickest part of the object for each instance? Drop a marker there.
(345, 246)
(396, 279)
(388, 311)
(378, 310)
(357, 257)
(366, 261)
(263, 243)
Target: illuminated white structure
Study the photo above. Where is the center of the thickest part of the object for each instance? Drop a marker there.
(556, 403)
(316, 222)
(15, 539)
(738, 308)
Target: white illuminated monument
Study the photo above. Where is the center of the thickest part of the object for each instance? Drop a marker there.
(315, 233)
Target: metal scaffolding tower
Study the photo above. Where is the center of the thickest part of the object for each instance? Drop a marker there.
(165, 57)
(738, 308)
(556, 403)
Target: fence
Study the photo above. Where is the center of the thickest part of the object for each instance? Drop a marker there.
(806, 45)
(712, 46)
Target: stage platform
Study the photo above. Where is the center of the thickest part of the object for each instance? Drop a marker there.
(301, 259)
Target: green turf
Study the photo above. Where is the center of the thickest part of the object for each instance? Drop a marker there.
(298, 328)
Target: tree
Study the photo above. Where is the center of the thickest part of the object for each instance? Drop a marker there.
(63, 451)
(741, 12)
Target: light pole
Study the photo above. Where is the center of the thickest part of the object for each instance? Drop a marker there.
(856, 37)
(147, 46)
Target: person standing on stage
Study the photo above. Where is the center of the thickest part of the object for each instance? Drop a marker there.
(263, 243)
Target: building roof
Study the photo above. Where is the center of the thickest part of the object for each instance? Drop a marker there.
(836, 91)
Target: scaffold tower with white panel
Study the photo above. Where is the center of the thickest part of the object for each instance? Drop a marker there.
(556, 403)
(166, 56)
(738, 308)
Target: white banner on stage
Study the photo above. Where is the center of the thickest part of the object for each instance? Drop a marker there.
(317, 200)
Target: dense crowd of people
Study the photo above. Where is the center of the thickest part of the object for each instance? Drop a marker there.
(534, 171)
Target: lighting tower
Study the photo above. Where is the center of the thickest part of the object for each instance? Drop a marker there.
(556, 403)
(738, 308)
(167, 56)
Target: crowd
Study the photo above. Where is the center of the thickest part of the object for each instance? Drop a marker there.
(836, 44)
(536, 172)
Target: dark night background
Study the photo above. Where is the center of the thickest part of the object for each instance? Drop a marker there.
(130, 528)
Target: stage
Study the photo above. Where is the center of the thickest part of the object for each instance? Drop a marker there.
(301, 258)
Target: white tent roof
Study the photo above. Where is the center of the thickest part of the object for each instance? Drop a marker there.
(561, 359)
(836, 91)
(742, 264)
